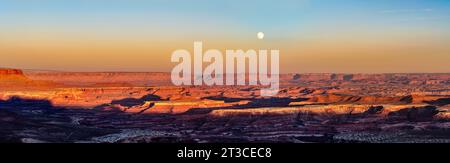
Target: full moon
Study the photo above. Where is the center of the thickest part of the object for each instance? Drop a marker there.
(260, 35)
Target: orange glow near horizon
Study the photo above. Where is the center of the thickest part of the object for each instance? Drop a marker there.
(313, 37)
(321, 55)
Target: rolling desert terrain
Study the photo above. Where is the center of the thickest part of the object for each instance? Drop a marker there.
(127, 107)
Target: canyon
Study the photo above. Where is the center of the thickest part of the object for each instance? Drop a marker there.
(130, 107)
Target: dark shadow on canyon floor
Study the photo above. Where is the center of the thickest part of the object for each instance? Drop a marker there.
(34, 121)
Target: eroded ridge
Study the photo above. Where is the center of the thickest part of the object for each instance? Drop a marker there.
(37, 106)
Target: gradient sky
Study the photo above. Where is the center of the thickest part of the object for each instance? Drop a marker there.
(342, 36)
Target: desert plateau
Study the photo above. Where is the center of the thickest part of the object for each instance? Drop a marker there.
(132, 107)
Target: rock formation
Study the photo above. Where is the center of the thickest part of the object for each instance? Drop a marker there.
(40, 106)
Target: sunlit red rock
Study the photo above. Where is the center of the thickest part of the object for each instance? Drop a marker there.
(309, 107)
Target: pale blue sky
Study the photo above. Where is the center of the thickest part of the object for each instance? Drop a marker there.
(286, 17)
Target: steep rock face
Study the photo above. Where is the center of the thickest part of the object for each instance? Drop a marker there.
(337, 109)
(11, 74)
(15, 79)
(6, 71)
(176, 107)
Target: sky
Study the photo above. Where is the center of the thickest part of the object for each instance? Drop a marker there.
(313, 36)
